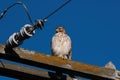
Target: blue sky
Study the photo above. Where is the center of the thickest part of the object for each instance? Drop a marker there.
(93, 25)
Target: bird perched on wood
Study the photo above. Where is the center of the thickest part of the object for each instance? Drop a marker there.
(61, 45)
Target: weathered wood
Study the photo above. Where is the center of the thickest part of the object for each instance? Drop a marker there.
(57, 64)
(26, 73)
(22, 72)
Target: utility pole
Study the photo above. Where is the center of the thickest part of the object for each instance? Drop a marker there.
(52, 63)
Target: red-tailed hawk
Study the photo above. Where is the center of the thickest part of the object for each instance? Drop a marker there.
(61, 44)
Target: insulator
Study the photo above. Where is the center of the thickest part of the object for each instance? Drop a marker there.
(17, 38)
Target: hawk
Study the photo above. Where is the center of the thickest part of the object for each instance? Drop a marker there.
(61, 44)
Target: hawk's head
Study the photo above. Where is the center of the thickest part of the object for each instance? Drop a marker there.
(60, 29)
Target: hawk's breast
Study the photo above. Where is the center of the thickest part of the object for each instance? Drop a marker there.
(61, 44)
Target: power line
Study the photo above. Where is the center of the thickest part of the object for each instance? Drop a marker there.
(17, 3)
(57, 9)
(27, 12)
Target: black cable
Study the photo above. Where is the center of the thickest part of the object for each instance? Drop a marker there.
(56, 10)
(27, 12)
(19, 3)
